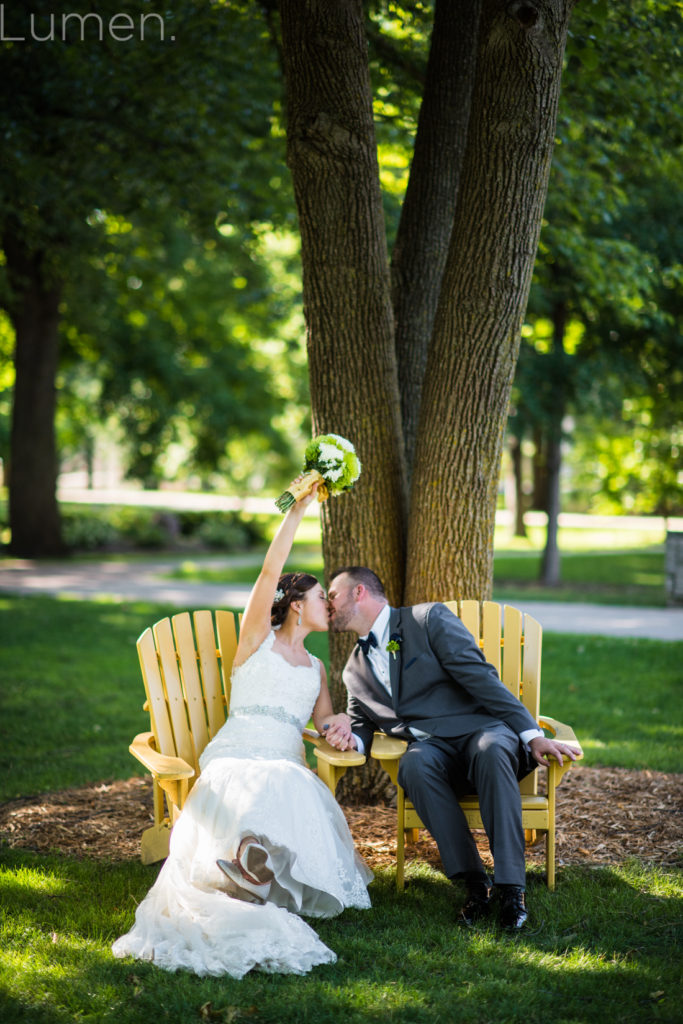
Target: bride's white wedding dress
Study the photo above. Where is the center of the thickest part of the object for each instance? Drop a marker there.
(253, 781)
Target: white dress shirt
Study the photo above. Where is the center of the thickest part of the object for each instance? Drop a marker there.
(379, 661)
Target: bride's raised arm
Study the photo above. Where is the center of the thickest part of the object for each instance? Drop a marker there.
(256, 619)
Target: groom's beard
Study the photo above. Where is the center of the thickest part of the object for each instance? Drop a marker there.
(339, 623)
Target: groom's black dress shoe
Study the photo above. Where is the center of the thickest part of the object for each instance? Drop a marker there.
(513, 913)
(477, 904)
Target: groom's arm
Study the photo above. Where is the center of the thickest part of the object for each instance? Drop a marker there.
(362, 727)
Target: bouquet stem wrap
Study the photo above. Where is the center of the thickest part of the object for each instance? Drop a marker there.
(300, 488)
(329, 461)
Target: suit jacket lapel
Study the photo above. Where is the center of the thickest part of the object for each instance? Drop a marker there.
(362, 668)
(395, 663)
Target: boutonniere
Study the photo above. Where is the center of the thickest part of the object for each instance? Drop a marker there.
(394, 644)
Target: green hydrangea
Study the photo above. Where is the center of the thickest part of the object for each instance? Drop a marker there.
(335, 459)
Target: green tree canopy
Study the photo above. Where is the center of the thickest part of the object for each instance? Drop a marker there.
(153, 130)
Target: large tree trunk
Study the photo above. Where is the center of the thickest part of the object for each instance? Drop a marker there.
(421, 246)
(332, 154)
(34, 309)
(474, 347)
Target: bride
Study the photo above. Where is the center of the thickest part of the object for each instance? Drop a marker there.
(260, 839)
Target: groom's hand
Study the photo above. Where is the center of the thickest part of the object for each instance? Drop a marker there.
(341, 744)
(542, 748)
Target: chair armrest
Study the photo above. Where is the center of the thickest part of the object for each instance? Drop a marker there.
(387, 748)
(339, 758)
(562, 733)
(388, 751)
(324, 751)
(162, 766)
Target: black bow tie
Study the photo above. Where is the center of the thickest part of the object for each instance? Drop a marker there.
(369, 641)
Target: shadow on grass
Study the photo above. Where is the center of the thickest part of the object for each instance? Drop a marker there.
(602, 947)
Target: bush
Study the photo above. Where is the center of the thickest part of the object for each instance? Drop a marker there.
(141, 527)
(228, 530)
(89, 528)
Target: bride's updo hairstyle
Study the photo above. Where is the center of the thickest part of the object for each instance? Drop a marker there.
(290, 587)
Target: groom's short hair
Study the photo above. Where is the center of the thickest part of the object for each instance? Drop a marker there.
(359, 574)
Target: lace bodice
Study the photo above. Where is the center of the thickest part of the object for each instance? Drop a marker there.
(270, 704)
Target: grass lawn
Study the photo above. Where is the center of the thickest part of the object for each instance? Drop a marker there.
(601, 948)
(604, 947)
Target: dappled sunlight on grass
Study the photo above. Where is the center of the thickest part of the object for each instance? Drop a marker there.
(26, 881)
(604, 941)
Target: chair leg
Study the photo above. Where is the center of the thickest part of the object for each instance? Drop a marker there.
(553, 779)
(158, 797)
(550, 855)
(400, 839)
(330, 774)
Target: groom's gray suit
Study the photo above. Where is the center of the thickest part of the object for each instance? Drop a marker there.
(442, 685)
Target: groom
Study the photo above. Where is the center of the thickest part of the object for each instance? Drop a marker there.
(418, 674)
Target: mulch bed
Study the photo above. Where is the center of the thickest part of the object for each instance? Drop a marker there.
(604, 816)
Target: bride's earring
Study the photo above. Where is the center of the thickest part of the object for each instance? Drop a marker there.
(298, 621)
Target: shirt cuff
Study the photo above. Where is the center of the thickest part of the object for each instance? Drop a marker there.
(360, 746)
(530, 734)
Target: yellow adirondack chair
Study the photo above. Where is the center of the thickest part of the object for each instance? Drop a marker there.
(186, 672)
(516, 654)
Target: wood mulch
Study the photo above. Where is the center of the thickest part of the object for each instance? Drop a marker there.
(604, 816)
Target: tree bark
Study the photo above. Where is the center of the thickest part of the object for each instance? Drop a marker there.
(34, 310)
(332, 155)
(474, 347)
(421, 246)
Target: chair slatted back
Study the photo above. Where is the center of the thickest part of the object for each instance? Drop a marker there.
(212, 662)
(518, 638)
(156, 694)
(226, 627)
(187, 679)
(173, 687)
(195, 706)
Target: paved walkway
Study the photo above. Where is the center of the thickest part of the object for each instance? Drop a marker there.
(145, 581)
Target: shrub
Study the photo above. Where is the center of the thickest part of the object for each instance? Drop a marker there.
(87, 529)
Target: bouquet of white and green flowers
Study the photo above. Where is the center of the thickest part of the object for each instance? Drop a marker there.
(331, 462)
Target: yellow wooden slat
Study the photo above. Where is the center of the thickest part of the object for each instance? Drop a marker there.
(531, 671)
(469, 613)
(156, 694)
(163, 636)
(531, 685)
(226, 629)
(512, 649)
(191, 683)
(491, 632)
(210, 671)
